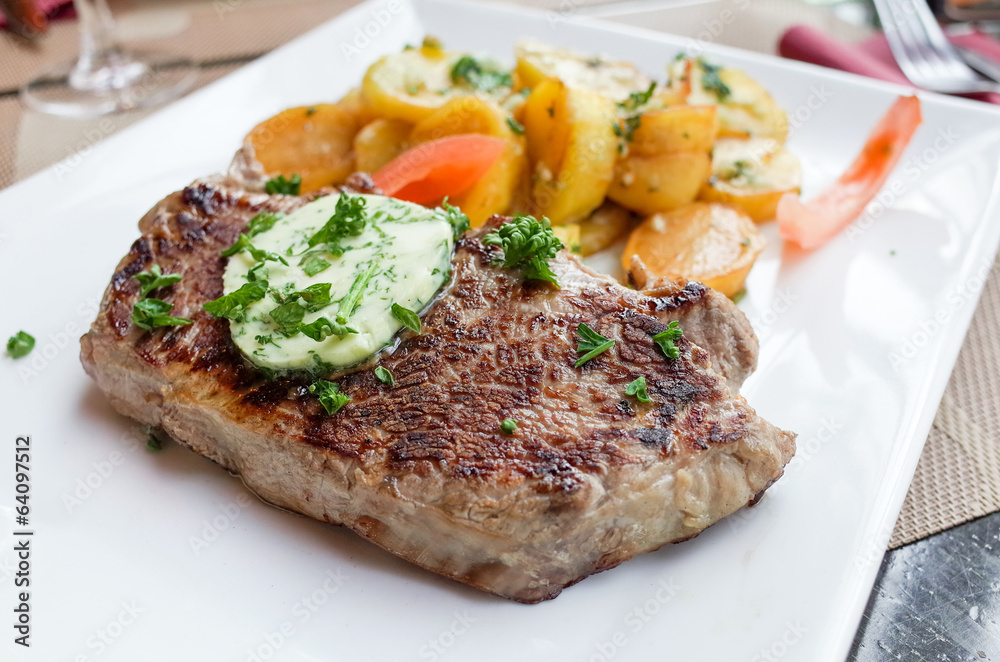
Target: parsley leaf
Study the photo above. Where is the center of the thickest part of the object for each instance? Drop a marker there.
(153, 444)
(233, 305)
(638, 389)
(323, 328)
(20, 344)
(353, 297)
(508, 426)
(314, 265)
(150, 313)
(279, 184)
(385, 376)
(459, 221)
(527, 244)
(316, 297)
(591, 344)
(258, 254)
(479, 75)
(636, 100)
(154, 278)
(515, 126)
(288, 316)
(665, 339)
(263, 222)
(712, 81)
(631, 112)
(406, 317)
(258, 272)
(329, 395)
(348, 220)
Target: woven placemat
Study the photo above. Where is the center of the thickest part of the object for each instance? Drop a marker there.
(958, 477)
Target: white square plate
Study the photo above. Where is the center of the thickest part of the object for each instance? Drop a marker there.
(140, 556)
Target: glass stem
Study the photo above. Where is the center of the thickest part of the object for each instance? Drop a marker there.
(102, 63)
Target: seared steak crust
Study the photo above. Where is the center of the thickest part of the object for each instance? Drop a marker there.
(589, 478)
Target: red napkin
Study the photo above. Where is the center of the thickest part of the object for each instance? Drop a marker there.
(45, 8)
(872, 57)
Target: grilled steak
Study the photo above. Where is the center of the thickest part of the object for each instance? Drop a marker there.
(589, 478)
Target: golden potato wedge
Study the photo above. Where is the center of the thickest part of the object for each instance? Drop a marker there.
(674, 129)
(603, 228)
(648, 184)
(314, 142)
(569, 235)
(615, 79)
(472, 114)
(713, 243)
(379, 142)
(354, 103)
(411, 85)
(752, 174)
(572, 150)
(746, 109)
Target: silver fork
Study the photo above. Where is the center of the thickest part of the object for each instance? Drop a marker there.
(923, 53)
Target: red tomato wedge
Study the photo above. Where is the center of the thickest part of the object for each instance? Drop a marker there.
(445, 167)
(812, 224)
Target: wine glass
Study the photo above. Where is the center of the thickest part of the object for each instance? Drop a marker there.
(106, 78)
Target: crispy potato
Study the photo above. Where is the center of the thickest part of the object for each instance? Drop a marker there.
(713, 243)
(603, 228)
(471, 114)
(569, 235)
(615, 79)
(413, 84)
(675, 129)
(572, 150)
(648, 184)
(379, 142)
(314, 142)
(746, 109)
(354, 103)
(752, 174)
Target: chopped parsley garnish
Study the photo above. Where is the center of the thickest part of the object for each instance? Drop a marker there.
(528, 244)
(665, 339)
(279, 184)
(352, 299)
(638, 389)
(739, 295)
(266, 340)
(348, 220)
(590, 344)
(515, 126)
(153, 445)
(406, 317)
(385, 376)
(20, 344)
(637, 100)
(314, 265)
(288, 316)
(258, 272)
(323, 328)
(711, 80)
(150, 313)
(259, 255)
(459, 221)
(630, 111)
(233, 306)
(508, 426)
(479, 75)
(153, 279)
(329, 395)
(316, 297)
(262, 222)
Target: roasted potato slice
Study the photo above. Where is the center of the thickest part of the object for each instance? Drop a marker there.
(413, 84)
(569, 235)
(648, 184)
(379, 142)
(493, 193)
(354, 103)
(713, 243)
(746, 109)
(674, 129)
(603, 228)
(572, 150)
(314, 142)
(615, 79)
(752, 174)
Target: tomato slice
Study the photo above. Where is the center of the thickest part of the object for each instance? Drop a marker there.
(812, 224)
(445, 167)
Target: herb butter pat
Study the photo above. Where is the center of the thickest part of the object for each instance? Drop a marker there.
(382, 254)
